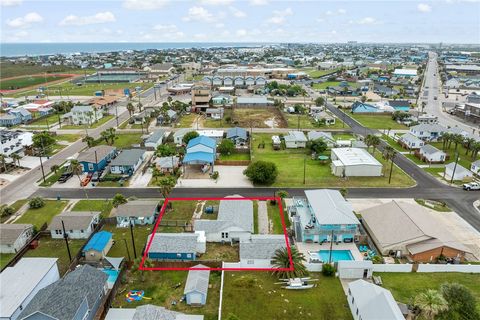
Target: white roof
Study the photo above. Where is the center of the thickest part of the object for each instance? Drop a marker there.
(355, 157)
(330, 207)
(18, 282)
(374, 302)
(405, 72)
(210, 133)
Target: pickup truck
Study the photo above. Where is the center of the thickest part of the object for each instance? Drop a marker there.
(471, 186)
(65, 176)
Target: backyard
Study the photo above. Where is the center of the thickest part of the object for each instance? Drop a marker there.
(291, 172)
(164, 287)
(39, 216)
(125, 140)
(221, 252)
(119, 248)
(180, 210)
(276, 219)
(254, 295)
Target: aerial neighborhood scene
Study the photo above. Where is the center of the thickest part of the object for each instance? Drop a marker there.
(239, 160)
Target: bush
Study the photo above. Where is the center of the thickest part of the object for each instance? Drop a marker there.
(36, 203)
(377, 259)
(189, 136)
(328, 270)
(215, 175)
(261, 172)
(226, 147)
(6, 211)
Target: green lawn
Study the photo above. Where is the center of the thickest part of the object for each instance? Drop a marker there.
(56, 248)
(212, 123)
(404, 286)
(27, 81)
(161, 287)
(187, 120)
(415, 159)
(377, 121)
(119, 249)
(94, 125)
(51, 178)
(437, 206)
(235, 156)
(125, 140)
(38, 217)
(104, 206)
(465, 160)
(343, 136)
(291, 172)
(180, 210)
(221, 252)
(5, 258)
(16, 206)
(10, 69)
(274, 216)
(51, 120)
(67, 137)
(394, 144)
(306, 122)
(324, 85)
(254, 295)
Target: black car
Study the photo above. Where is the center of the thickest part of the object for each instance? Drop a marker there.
(65, 176)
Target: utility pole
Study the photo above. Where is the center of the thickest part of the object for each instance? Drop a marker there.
(455, 166)
(128, 251)
(133, 239)
(331, 247)
(304, 167)
(65, 236)
(391, 168)
(116, 113)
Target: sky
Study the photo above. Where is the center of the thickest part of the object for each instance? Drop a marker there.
(448, 21)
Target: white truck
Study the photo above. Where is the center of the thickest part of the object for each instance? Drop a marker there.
(471, 186)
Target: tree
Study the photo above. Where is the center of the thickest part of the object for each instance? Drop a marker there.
(431, 303)
(328, 270)
(6, 211)
(320, 101)
(445, 139)
(156, 173)
(54, 168)
(374, 141)
(165, 150)
(468, 144)
(318, 146)
(226, 147)
(42, 141)
(343, 192)
(36, 203)
(16, 158)
(89, 140)
(3, 160)
(457, 139)
(282, 194)
(475, 150)
(90, 116)
(461, 302)
(363, 98)
(189, 136)
(130, 109)
(136, 267)
(166, 185)
(281, 260)
(108, 135)
(261, 172)
(118, 199)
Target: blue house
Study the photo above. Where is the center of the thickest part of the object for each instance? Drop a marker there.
(324, 215)
(360, 107)
(177, 246)
(201, 150)
(96, 158)
(237, 135)
(138, 212)
(21, 113)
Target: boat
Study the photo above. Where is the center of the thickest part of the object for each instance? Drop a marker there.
(297, 283)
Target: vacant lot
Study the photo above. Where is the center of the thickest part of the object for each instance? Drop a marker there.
(23, 69)
(258, 118)
(180, 210)
(254, 295)
(221, 252)
(291, 172)
(377, 121)
(314, 73)
(126, 140)
(103, 206)
(276, 219)
(304, 121)
(164, 287)
(38, 217)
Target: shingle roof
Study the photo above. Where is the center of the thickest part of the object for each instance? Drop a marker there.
(429, 149)
(89, 154)
(262, 246)
(128, 157)
(428, 127)
(9, 233)
(174, 243)
(314, 135)
(408, 137)
(73, 220)
(197, 280)
(136, 208)
(296, 136)
(151, 312)
(61, 299)
(155, 136)
(167, 162)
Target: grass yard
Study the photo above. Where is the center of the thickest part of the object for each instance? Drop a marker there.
(104, 206)
(343, 136)
(38, 217)
(52, 178)
(412, 157)
(221, 252)
(316, 173)
(235, 156)
(404, 286)
(306, 122)
(162, 287)
(394, 144)
(50, 120)
(276, 219)
(10, 69)
(315, 73)
(68, 137)
(377, 121)
(256, 118)
(465, 160)
(125, 140)
(56, 248)
(28, 81)
(16, 206)
(326, 84)
(119, 249)
(253, 295)
(210, 216)
(94, 125)
(180, 210)
(437, 206)
(5, 258)
(187, 120)
(212, 123)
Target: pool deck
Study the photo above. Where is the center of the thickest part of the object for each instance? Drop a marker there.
(306, 248)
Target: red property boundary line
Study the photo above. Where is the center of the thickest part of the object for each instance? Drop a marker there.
(279, 201)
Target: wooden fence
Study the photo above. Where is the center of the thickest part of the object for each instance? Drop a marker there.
(187, 264)
(232, 162)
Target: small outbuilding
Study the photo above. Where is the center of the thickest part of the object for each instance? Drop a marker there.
(431, 154)
(97, 248)
(458, 172)
(353, 269)
(196, 287)
(155, 139)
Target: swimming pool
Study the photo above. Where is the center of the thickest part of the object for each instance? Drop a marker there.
(337, 255)
(112, 276)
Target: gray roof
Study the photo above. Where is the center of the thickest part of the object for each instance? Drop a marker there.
(253, 100)
(429, 127)
(197, 280)
(181, 132)
(22, 111)
(9, 233)
(156, 136)
(73, 220)
(136, 208)
(149, 312)
(237, 133)
(128, 157)
(174, 243)
(296, 136)
(330, 207)
(171, 113)
(89, 154)
(82, 109)
(374, 302)
(231, 213)
(408, 137)
(162, 66)
(17, 282)
(429, 149)
(61, 299)
(262, 246)
(167, 162)
(325, 136)
(459, 169)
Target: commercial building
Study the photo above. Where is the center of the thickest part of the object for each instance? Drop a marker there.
(200, 98)
(354, 162)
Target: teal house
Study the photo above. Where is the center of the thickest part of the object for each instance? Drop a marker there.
(177, 246)
(323, 216)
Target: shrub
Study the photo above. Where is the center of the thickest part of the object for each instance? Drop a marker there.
(261, 172)
(36, 203)
(226, 147)
(189, 136)
(6, 211)
(328, 270)
(215, 175)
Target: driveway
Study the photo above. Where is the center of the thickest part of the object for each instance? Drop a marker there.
(229, 176)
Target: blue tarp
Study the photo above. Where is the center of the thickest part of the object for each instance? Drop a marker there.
(199, 157)
(99, 241)
(203, 140)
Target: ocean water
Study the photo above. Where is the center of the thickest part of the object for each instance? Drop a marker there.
(36, 49)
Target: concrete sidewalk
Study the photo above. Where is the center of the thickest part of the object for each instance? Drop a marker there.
(263, 222)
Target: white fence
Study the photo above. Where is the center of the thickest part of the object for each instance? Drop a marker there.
(466, 268)
(314, 267)
(392, 267)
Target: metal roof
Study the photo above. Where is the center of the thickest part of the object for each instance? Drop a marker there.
(199, 156)
(156, 136)
(330, 207)
(237, 132)
(203, 140)
(262, 246)
(355, 156)
(136, 208)
(73, 220)
(128, 157)
(174, 243)
(101, 151)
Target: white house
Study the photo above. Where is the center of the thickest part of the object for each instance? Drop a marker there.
(431, 154)
(20, 283)
(258, 251)
(410, 141)
(14, 142)
(234, 222)
(475, 167)
(178, 135)
(217, 135)
(353, 269)
(80, 115)
(14, 236)
(78, 224)
(460, 172)
(295, 139)
(368, 301)
(428, 132)
(155, 139)
(325, 136)
(354, 162)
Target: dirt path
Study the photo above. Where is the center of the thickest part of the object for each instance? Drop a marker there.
(263, 223)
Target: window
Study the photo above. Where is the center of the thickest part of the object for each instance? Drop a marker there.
(179, 255)
(58, 231)
(250, 262)
(81, 231)
(189, 255)
(357, 312)
(90, 166)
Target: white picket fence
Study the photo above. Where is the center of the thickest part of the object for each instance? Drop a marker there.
(392, 267)
(466, 268)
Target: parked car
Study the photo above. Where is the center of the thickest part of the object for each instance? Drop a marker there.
(65, 176)
(471, 186)
(95, 176)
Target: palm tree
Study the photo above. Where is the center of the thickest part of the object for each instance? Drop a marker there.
(90, 116)
(281, 260)
(375, 141)
(430, 303)
(89, 140)
(446, 138)
(457, 139)
(166, 185)
(118, 199)
(105, 136)
(468, 144)
(475, 150)
(156, 173)
(3, 161)
(146, 264)
(139, 106)
(54, 168)
(16, 158)
(368, 141)
(130, 109)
